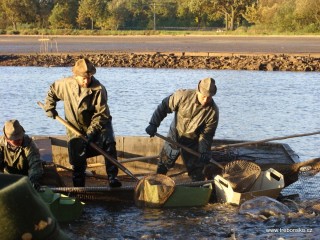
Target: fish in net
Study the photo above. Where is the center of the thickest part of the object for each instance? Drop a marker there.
(241, 174)
(153, 190)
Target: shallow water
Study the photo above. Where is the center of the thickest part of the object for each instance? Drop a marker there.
(253, 106)
(214, 221)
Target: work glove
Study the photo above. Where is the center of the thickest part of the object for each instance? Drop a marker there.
(52, 113)
(205, 157)
(151, 130)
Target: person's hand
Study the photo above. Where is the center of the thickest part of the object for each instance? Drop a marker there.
(205, 157)
(52, 113)
(151, 130)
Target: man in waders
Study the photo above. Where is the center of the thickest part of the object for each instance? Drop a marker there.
(194, 125)
(86, 108)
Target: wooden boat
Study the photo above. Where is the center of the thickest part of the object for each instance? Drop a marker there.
(144, 151)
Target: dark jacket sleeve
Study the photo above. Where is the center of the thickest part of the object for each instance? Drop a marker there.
(53, 95)
(35, 164)
(161, 112)
(209, 130)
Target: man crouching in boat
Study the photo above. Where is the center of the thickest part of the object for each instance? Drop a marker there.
(19, 154)
(194, 125)
(86, 108)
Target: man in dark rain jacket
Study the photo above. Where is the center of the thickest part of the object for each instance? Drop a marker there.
(194, 125)
(86, 108)
(19, 154)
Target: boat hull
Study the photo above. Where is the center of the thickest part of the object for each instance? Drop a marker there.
(54, 149)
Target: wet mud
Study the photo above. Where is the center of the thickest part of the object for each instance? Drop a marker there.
(271, 62)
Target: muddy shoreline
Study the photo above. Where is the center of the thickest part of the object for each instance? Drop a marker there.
(181, 60)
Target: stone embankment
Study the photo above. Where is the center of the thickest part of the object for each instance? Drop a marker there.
(272, 62)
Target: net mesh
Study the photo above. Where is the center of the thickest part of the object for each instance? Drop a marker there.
(241, 174)
(308, 178)
(153, 190)
(225, 155)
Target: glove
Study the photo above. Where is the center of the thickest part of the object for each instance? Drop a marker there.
(151, 130)
(36, 186)
(205, 157)
(52, 113)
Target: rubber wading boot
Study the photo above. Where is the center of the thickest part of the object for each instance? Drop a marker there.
(79, 181)
(114, 182)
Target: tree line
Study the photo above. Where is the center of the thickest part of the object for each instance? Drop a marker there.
(274, 15)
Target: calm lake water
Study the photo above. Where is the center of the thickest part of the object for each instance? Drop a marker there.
(253, 106)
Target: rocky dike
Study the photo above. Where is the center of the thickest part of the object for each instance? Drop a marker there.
(266, 62)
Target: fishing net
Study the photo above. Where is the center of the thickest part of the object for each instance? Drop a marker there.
(153, 190)
(301, 178)
(241, 174)
(308, 178)
(225, 155)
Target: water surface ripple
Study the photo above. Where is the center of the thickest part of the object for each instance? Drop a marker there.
(253, 106)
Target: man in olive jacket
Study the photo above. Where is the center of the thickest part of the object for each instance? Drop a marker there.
(19, 154)
(194, 125)
(86, 109)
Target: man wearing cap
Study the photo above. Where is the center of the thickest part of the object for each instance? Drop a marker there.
(19, 154)
(194, 125)
(86, 108)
